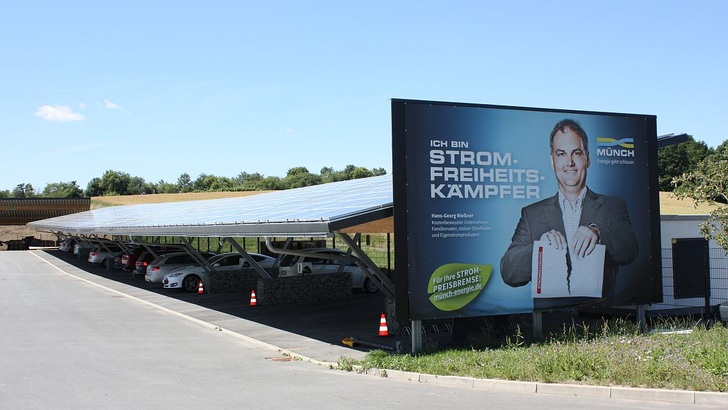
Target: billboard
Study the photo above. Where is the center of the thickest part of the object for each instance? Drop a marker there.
(503, 210)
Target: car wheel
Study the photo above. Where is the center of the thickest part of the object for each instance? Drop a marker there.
(370, 286)
(191, 283)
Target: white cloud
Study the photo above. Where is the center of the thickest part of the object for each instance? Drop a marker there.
(58, 113)
(289, 130)
(82, 105)
(111, 105)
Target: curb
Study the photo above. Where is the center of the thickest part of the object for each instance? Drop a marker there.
(605, 392)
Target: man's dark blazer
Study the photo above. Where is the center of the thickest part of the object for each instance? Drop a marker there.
(608, 213)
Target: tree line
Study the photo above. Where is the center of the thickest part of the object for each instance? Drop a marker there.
(122, 183)
(673, 162)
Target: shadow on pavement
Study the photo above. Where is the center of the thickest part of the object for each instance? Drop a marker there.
(329, 322)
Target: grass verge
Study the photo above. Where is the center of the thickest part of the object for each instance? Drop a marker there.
(691, 357)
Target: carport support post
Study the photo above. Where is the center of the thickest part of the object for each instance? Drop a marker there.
(641, 322)
(416, 335)
(537, 325)
(251, 261)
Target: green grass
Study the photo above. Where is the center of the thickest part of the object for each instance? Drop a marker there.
(616, 354)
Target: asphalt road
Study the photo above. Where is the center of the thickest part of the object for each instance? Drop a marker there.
(74, 339)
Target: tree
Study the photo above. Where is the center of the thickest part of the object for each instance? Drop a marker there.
(138, 186)
(184, 182)
(164, 187)
(722, 149)
(251, 182)
(204, 182)
(63, 190)
(222, 184)
(117, 183)
(94, 187)
(361, 172)
(300, 177)
(270, 184)
(23, 191)
(709, 184)
(678, 159)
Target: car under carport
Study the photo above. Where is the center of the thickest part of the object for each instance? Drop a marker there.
(345, 208)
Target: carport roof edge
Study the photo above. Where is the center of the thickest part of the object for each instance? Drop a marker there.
(310, 211)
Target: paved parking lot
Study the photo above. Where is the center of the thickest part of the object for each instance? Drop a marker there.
(313, 330)
(82, 337)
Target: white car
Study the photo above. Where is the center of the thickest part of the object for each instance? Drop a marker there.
(67, 245)
(294, 265)
(188, 278)
(165, 263)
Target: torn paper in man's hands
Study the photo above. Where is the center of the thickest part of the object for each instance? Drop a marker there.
(556, 273)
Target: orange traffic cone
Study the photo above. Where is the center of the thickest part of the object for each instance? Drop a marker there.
(253, 301)
(383, 331)
(200, 289)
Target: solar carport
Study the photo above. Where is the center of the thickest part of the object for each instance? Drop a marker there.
(346, 208)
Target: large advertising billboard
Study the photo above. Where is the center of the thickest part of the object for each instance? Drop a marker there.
(502, 210)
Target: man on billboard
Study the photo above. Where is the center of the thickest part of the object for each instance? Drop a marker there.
(575, 221)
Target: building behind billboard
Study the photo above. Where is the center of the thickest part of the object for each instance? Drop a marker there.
(462, 174)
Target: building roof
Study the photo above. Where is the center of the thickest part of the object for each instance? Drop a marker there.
(310, 211)
(20, 211)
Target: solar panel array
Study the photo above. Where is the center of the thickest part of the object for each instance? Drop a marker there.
(307, 211)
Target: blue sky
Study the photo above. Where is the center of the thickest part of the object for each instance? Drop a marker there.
(160, 88)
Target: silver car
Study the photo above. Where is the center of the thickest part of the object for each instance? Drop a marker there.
(101, 254)
(293, 265)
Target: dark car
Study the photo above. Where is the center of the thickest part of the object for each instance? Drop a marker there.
(128, 261)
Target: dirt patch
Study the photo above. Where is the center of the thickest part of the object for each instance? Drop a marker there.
(103, 201)
(669, 205)
(14, 232)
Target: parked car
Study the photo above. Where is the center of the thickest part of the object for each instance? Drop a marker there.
(188, 278)
(294, 265)
(100, 254)
(80, 247)
(165, 263)
(67, 245)
(127, 262)
(140, 266)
